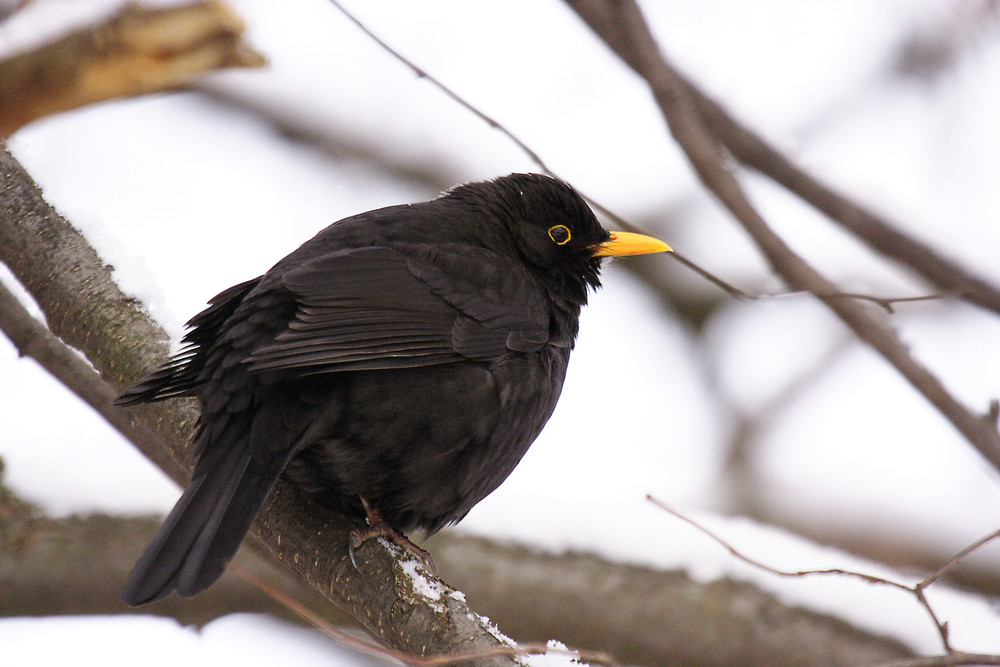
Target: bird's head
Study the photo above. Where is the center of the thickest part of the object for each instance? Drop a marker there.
(556, 233)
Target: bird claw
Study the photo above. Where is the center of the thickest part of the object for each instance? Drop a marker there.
(378, 527)
(350, 552)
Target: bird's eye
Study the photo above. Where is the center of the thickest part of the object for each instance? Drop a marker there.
(559, 234)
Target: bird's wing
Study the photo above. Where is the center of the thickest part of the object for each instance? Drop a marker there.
(181, 375)
(418, 305)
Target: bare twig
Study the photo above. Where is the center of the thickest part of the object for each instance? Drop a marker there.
(956, 559)
(872, 579)
(139, 51)
(452, 95)
(886, 303)
(606, 20)
(941, 627)
(625, 26)
(917, 589)
(493, 123)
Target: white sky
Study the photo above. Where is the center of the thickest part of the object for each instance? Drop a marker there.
(148, 180)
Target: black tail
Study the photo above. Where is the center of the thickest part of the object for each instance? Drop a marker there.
(232, 478)
(207, 525)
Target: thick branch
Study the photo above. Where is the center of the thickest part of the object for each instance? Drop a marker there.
(624, 24)
(140, 51)
(643, 616)
(32, 339)
(86, 310)
(77, 565)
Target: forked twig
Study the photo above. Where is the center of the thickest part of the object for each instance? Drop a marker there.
(917, 590)
(532, 155)
(622, 25)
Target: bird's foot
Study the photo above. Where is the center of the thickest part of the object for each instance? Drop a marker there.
(378, 527)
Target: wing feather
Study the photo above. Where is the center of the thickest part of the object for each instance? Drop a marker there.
(378, 307)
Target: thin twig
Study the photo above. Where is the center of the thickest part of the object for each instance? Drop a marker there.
(626, 25)
(918, 589)
(496, 125)
(941, 627)
(728, 288)
(956, 559)
(870, 578)
(455, 97)
(886, 303)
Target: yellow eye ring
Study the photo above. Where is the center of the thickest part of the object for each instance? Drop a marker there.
(560, 234)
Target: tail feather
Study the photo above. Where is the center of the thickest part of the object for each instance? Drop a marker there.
(235, 472)
(243, 445)
(171, 552)
(223, 532)
(154, 575)
(176, 377)
(203, 531)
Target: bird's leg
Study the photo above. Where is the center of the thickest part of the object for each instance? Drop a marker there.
(378, 527)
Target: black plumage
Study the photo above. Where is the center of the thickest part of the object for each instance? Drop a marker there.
(401, 361)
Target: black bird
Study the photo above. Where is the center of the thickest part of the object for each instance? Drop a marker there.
(395, 367)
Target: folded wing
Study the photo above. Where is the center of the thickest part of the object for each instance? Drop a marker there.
(375, 308)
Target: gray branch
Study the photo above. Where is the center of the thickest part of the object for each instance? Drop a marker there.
(643, 616)
(621, 24)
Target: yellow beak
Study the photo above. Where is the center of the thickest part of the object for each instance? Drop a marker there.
(626, 243)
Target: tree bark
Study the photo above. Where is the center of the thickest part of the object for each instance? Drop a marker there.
(640, 615)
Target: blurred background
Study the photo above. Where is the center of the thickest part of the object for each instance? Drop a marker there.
(767, 409)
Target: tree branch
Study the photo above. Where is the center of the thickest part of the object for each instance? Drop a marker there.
(77, 565)
(139, 51)
(644, 616)
(625, 28)
(878, 233)
(32, 339)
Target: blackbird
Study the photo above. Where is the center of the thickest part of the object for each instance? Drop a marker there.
(395, 368)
